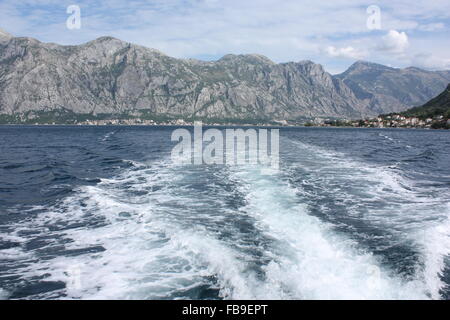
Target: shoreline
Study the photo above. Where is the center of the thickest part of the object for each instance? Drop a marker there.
(212, 125)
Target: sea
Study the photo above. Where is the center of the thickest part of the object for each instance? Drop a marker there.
(102, 212)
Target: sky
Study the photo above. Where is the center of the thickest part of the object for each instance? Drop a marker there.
(334, 33)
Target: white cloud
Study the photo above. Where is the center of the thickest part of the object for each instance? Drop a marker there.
(431, 62)
(347, 52)
(394, 42)
(328, 32)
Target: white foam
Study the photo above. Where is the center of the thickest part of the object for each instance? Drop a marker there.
(108, 135)
(15, 253)
(148, 255)
(386, 137)
(435, 240)
(396, 141)
(314, 263)
(411, 212)
(154, 248)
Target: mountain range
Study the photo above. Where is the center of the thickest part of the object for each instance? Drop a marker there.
(110, 76)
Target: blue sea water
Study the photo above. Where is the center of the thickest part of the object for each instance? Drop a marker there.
(103, 213)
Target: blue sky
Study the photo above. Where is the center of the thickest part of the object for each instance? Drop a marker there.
(333, 33)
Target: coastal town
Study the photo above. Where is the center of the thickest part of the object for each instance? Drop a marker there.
(388, 121)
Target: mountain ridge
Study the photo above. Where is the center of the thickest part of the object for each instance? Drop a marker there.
(108, 75)
(388, 89)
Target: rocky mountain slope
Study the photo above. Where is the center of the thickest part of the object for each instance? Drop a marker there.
(111, 76)
(388, 89)
(439, 106)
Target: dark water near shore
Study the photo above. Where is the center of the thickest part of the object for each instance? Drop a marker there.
(102, 212)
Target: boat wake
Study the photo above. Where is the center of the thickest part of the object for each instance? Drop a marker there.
(323, 227)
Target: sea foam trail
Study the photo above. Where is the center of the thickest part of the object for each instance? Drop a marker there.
(160, 231)
(312, 261)
(150, 245)
(382, 199)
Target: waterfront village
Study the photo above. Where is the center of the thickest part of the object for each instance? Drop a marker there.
(389, 121)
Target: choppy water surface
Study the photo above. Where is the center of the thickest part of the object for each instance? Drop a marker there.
(102, 212)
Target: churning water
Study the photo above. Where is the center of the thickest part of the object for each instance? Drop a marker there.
(103, 212)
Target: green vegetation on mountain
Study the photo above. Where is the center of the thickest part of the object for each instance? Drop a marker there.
(439, 106)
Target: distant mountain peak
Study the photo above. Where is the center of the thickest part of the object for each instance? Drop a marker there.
(105, 39)
(247, 57)
(389, 88)
(306, 62)
(112, 42)
(362, 65)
